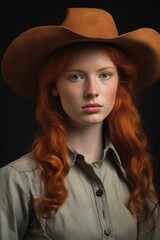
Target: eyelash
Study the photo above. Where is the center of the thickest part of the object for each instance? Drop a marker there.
(105, 75)
(72, 77)
(76, 77)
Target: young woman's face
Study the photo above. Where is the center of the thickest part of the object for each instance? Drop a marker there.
(87, 88)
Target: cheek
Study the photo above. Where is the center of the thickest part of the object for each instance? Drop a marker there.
(110, 99)
(111, 94)
(68, 99)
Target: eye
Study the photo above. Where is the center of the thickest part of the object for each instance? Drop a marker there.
(105, 75)
(76, 77)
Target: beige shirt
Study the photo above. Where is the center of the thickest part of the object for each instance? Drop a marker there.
(95, 208)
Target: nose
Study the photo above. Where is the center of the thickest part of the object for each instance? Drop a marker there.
(91, 90)
(91, 95)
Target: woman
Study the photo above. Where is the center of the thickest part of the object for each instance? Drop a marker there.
(89, 175)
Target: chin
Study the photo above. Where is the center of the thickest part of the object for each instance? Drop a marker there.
(93, 122)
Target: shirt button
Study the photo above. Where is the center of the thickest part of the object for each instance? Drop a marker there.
(99, 193)
(107, 231)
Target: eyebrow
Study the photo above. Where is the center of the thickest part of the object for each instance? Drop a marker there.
(105, 68)
(98, 70)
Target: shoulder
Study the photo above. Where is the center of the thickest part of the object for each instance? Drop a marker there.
(26, 163)
(24, 168)
(20, 176)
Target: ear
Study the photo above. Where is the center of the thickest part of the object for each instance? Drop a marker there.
(54, 92)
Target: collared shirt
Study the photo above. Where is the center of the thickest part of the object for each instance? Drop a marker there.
(95, 208)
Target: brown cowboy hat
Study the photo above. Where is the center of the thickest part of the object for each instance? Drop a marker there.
(26, 55)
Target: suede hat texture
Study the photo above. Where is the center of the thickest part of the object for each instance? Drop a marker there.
(26, 55)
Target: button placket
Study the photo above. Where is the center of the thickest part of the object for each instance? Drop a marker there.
(100, 197)
(102, 208)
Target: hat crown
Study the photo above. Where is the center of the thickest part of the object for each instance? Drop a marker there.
(91, 22)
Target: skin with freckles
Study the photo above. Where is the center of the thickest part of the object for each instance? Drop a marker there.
(87, 88)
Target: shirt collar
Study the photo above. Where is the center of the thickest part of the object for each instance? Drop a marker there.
(73, 155)
(117, 159)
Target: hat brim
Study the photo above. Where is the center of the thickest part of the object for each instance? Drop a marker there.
(26, 55)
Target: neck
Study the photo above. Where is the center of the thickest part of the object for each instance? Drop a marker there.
(86, 140)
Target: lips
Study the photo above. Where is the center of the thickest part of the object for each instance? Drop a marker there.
(92, 107)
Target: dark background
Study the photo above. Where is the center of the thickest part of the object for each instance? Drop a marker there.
(17, 122)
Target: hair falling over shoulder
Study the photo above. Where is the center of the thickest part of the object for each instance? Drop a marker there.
(50, 146)
(128, 136)
(124, 127)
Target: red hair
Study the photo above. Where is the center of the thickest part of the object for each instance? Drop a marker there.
(123, 126)
(128, 136)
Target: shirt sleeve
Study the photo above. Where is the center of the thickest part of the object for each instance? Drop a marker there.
(14, 204)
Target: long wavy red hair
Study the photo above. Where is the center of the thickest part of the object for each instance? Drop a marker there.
(123, 126)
